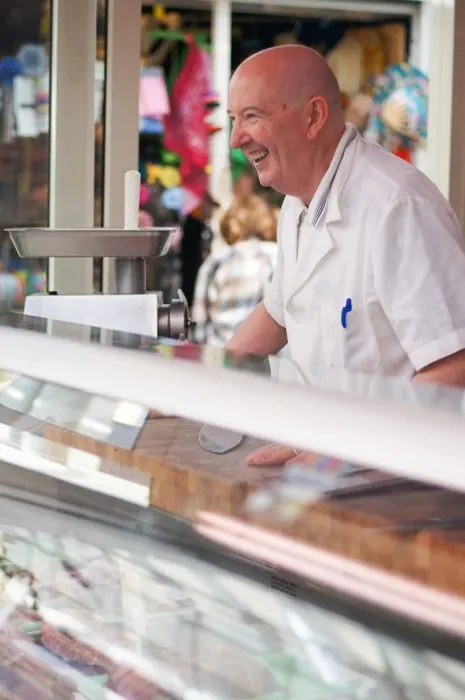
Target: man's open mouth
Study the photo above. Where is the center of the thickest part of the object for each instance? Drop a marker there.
(258, 156)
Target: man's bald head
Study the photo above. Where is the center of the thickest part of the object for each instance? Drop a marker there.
(295, 72)
(287, 118)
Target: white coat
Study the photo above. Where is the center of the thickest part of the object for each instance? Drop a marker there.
(375, 280)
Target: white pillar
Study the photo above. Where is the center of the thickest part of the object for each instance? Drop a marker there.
(72, 135)
(437, 61)
(121, 112)
(443, 58)
(457, 139)
(220, 180)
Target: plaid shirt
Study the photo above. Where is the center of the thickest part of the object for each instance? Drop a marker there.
(230, 284)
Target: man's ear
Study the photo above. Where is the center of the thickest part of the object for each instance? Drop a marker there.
(316, 115)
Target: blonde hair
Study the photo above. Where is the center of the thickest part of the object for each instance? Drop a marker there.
(253, 219)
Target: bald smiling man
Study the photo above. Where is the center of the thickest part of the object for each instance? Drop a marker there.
(370, 274)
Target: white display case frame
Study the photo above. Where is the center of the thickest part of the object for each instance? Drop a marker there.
(412, 439)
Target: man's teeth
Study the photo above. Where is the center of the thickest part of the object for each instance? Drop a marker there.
(258, 157)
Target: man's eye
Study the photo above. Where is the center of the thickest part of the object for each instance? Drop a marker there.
(250, 117)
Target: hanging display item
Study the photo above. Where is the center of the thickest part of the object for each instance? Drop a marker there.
(167, 175)
(211, 101)
(346, 62)
(186, 131)
(398, 120)
(363, 53)
(153, 100)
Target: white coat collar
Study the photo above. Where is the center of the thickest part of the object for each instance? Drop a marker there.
(324, 210)
(323, 207)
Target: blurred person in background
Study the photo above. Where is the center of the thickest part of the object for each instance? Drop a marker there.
(196, 243)
(234, 279)
(244, 192)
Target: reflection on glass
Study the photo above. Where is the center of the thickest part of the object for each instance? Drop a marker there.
(24, 139)
(116, 423)
(31, 452)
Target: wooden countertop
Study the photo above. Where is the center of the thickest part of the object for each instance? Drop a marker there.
(186, 479)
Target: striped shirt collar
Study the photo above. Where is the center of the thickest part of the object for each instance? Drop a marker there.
(320, 200)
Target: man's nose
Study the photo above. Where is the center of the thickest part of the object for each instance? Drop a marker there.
(238, 136)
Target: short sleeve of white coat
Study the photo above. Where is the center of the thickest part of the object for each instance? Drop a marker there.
(274, 297)
(418, 259)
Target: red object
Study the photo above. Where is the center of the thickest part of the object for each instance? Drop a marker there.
(185, 131)
(188, 351)
(71, 649)
(404, 153)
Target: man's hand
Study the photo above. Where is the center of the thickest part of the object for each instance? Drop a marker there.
(279, 455)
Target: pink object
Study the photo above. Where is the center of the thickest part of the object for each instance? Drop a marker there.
(145, 220)
(144, 196)
(153, 97)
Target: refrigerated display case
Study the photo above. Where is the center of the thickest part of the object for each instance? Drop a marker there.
(154, 564)
(101, 600)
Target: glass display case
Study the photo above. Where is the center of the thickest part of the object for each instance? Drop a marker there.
(142, 557)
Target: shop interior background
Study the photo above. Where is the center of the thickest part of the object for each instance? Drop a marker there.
(368, 51)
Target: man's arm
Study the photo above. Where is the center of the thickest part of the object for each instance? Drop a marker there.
(418, 259)
(258, 335)
(449, 371)
(263, 332)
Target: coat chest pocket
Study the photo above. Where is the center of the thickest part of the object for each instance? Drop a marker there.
(317, 338)
(354, 347)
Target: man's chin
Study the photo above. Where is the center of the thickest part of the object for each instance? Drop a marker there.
(265, 179)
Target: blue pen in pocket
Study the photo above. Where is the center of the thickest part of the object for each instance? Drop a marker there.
(344, 311)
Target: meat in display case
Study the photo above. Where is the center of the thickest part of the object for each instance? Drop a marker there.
(142, 558)
(91, 609)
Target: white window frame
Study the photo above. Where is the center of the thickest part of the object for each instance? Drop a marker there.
(72, 135)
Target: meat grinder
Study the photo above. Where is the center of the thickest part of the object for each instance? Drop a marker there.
(131, 309)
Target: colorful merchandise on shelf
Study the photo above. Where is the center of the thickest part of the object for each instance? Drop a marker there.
(11, 291)
(16, 285)
(151, 125)
(405, 113)
(145, 220)
(144, 195)
(172, 199)
(346, 62)
(153, 96)
(398, 120)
